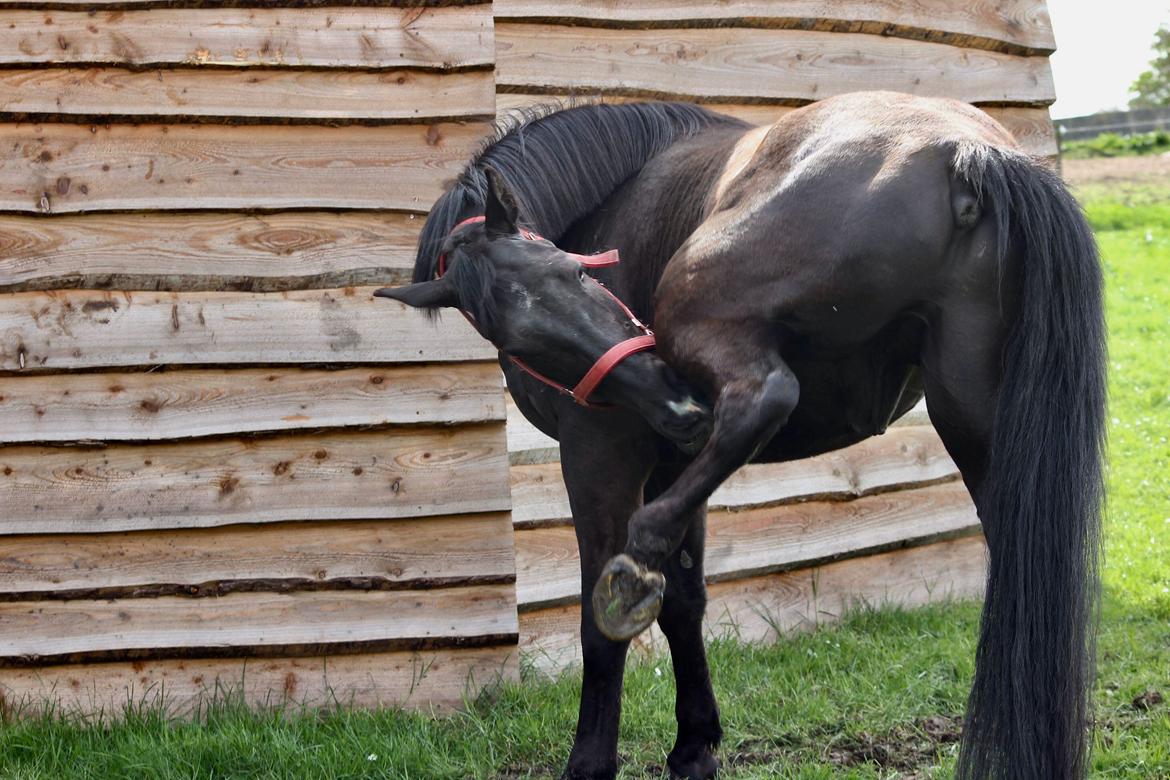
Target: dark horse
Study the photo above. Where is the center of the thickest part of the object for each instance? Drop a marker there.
(809, 281)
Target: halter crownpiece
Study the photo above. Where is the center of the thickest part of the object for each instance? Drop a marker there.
(610, 359)
(601, 260)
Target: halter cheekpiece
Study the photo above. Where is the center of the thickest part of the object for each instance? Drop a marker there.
(610, 358)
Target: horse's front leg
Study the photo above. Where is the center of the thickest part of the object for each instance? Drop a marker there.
(605, 459)
(754, 399)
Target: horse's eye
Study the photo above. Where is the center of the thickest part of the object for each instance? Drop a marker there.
(581, 274)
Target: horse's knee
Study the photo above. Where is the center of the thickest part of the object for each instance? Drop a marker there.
(779, 396)
(754, 408)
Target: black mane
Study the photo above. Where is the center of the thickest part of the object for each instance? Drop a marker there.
(562, 163)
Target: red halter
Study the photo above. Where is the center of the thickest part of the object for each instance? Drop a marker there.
(611, 357)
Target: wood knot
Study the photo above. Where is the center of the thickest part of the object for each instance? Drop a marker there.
(228, 485)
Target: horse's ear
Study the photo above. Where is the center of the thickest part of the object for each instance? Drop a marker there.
(501, 210)
(423, 295)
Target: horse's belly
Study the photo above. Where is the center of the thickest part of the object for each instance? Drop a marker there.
(846, 399)
(808, 434)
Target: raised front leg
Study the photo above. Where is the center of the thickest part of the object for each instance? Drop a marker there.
(753, 402)
(606, 459)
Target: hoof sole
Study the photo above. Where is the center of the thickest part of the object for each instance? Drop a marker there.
(627, 598)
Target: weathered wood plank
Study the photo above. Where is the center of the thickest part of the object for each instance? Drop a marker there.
(734, 64)
(63, 168)
(360, 37)
(528, 445)
(207, 251)
(253, 94)
(414, 472)
(310, 622)
(1016, 24)
(901, 456)
(747, 543)
(179, 404)
(71, 329)
(333, 555)
(1032, 127)
(755, 609)
(430, 680)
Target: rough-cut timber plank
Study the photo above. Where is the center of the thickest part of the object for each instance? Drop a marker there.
(179, 404)
(318, 37)
(1016, 24)
(903, 455)
(746, 543)
(756, 609)
(1032, 127)
(264, 94)
(374, 554)
(276, 623)
(440, 680)
(413, 472)
(207, 251)
(527, 445)
(61, 168)
(71, 329)
(758, 65)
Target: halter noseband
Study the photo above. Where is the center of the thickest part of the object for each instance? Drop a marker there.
(610, 358)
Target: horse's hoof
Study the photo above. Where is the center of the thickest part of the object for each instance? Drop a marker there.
(627, 598)
(701, 766)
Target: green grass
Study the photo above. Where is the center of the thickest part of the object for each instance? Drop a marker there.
(876, 697)
(1114, 145)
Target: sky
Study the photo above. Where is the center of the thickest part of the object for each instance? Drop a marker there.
(1101, 47)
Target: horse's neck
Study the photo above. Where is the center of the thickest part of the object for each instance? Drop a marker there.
(651, 214)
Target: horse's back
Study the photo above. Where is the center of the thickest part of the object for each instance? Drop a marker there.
(843, 214)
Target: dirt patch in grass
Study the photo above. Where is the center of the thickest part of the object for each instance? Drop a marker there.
(1147, 700)
(910, 749)
(1154, 168)
(904, 748)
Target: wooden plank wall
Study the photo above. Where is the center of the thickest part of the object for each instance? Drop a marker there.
(756, 59)
(223, 464)
(789, 545)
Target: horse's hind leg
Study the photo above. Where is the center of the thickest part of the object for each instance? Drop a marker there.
(756, 392)
(961, 376)
(681, 620)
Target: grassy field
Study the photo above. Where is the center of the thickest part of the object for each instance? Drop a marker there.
(876, 697)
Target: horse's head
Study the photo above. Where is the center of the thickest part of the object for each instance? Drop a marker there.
(536, 304)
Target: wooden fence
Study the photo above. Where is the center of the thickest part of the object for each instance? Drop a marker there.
(756, 59)
(1137, 120)
(887, 520)
(223, 464)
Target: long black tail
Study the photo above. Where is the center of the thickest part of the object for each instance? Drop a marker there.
(1029, 712)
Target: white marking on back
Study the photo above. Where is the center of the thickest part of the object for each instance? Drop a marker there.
(741, 155)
